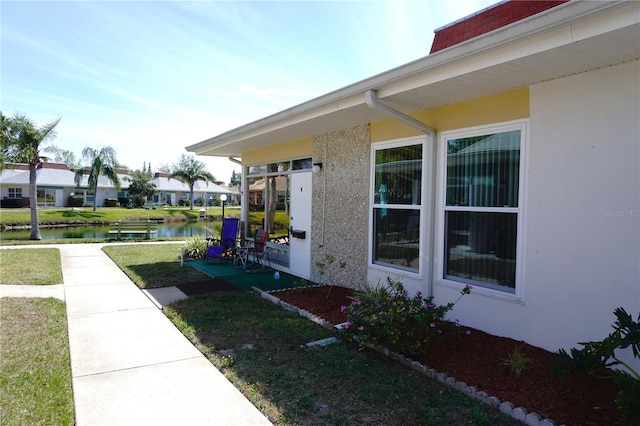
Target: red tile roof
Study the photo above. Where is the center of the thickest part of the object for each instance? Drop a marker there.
(489, 19)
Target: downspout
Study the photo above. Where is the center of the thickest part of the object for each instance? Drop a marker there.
(235, 160)
(372, 102)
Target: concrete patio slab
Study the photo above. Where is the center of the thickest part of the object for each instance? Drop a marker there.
(162, 297)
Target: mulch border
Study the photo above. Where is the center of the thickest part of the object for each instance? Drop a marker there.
(518, 413)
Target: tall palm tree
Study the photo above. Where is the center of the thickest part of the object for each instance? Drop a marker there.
(189, 170)
(23, 142)
(101, 162)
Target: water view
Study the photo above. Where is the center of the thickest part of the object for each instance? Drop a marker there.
(180, 229)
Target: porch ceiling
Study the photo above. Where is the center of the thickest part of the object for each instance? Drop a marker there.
(545, 47)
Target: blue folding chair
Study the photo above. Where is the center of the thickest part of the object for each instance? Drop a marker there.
(226, 247)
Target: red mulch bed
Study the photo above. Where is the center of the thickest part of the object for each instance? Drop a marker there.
(579, 399)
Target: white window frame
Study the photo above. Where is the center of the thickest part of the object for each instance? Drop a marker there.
(440, 255)
(423, 208)
(45, 202)
(14, 193)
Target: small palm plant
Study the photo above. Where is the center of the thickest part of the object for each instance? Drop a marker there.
(516, 362)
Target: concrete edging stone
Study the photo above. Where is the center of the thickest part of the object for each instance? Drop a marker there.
(518, 413)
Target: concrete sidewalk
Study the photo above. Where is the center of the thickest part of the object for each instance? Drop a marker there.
(130, 365)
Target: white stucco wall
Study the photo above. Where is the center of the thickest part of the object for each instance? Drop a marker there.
(582, 215)
(583, 236)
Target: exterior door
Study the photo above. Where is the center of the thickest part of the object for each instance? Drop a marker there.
(300, 225)
(59, 198)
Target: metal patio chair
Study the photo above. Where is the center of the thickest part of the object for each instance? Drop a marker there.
(256, 250)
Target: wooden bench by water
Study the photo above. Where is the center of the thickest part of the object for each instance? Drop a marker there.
(133, 228)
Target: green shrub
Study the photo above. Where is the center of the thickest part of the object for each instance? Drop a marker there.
(76, 201)
(195, 247)
(111, 202)
(597, 357)
(388, 316)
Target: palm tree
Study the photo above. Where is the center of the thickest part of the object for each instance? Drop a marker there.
(23, 142)
(189, 170)
(101, 162)
(141, 186)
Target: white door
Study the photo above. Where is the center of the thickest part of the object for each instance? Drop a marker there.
(300, 222)
(59, 200)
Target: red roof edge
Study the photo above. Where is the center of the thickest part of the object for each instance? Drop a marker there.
(487, 20)
(49, 165)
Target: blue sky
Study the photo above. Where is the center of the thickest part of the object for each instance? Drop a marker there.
(151, 77)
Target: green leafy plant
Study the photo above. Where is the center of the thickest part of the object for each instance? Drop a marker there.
(195, 247)
(388, 316)
(516, 362)
(597, 357)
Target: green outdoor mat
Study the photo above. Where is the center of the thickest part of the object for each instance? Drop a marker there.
(242, 278)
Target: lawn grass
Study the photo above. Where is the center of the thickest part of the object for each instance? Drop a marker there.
(153, 265)
(260, 349)
(35, 384)
(30, 266)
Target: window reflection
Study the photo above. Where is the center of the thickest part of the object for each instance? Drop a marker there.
(397, 238)
(397, 192)
(481, 212)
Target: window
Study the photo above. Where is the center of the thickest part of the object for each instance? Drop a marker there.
(46, 197)
(88, 196)
(268, 198)
(15, 193)
(482, 206)
(396, 192)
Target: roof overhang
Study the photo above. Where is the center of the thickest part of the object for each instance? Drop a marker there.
(576, 37)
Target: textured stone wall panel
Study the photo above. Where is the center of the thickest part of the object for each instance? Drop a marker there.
(340, 207)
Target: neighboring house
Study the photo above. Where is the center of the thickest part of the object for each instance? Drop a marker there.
(235, 196)
(172, 191)
(508, 159)
(257, 192)
(55, 184)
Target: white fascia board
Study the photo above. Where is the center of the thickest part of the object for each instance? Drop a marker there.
(515, 41)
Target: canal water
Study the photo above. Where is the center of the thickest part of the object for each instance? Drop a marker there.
(176, 229)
